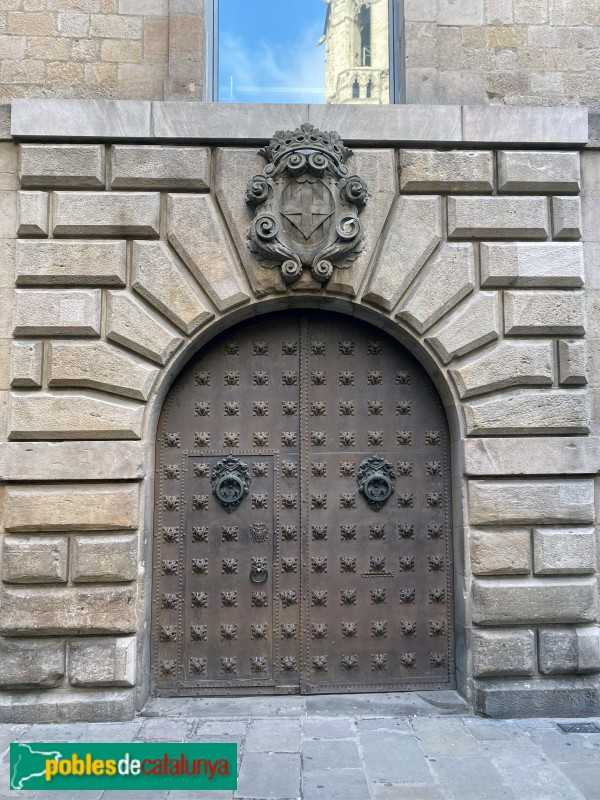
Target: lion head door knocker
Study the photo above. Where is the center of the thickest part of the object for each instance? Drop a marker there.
(376, 480)
(230, 480)
(306, 205)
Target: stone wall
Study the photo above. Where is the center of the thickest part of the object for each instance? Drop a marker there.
(513, 52)
(118, 260)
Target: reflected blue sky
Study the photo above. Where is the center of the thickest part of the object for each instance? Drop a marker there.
(268, 51)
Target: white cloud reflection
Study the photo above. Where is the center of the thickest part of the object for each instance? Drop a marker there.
(270, 73)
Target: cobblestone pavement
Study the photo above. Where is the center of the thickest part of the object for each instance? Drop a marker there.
(353, 747)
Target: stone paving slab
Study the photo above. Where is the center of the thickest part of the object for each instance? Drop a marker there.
(319, 749)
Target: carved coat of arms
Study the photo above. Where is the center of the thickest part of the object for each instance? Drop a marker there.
(306, 205)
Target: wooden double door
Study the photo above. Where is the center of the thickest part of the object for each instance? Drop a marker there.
(302, 505)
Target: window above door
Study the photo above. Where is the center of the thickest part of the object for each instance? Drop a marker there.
(306, 51)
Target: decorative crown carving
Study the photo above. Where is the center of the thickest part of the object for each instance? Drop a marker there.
(306, 205)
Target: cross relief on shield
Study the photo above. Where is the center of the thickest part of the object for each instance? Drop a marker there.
(306, 205)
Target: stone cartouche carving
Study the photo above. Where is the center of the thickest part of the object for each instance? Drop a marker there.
(306, 205)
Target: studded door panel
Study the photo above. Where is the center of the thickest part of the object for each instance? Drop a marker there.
(302, 538)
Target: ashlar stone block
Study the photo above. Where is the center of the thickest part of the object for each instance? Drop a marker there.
(538, 313)
(414, 231)
(160, 167)
(84, 705)
(498, 217)
(56, 611)
(552, 455)
(572, 363)
(55, 313)
(61, 166)
(566, 218)
(532, 265)
(443, 283)
(506, 364)
(524, 601)
(72, 461)
(563, 551)
(72, 416)
(104, 559)
(569, 650)
(71, 263)
(34, 559)
(131, 325)
(32, 210)
(501, 552)
(73, 507)
(498, 653)
(529, 412)
(160, 279)
(543, 697)
(98, 365)
(30, 663)
(26, 365)
(196, 231)
(538, 171)
(102, 662)
(535, 502)
(472, 324)
(446, 171)
(107, 214)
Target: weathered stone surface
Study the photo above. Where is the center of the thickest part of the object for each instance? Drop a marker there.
(561, 551)
(474, 323)
(197, 233)
(528, 456)
(535, 265)
(531, 502)
(72, 416)
(46, 611)
(61, 166)
(502, 552)
(572, 363)
(98, 365)
(32, 210)
(9, 180)
(538, 698)
(34, 559)
(529, 412)
(107, 214)
(446, 171)
(54, 313)
(103, 559)
(76, 507)
(535, 313)
(102, 662)
(568, 650)
(566, 218)
(159, 279)
(510, 601)
(71, 461)
(132, 325)
(499, 217)
(160, 167)
(414, 231)
(87, 119)
(443, 283)
(82, 706)
(26, 365)
(535, 171)
(590, 215)
(497, 653)
(489, 124)
(67, 263)
(31, 663)
(506, 364)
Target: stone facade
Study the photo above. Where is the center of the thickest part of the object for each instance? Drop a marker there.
(119, 260)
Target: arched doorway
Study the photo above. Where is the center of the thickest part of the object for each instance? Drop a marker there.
(303, 525)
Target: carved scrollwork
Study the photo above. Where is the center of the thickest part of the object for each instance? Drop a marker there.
(306, 205)
(376, 480)
(230, 481)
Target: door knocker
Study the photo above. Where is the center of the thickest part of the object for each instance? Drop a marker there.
(230, 480)
(376, 480)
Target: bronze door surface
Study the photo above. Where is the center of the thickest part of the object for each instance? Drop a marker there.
(302, 538)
